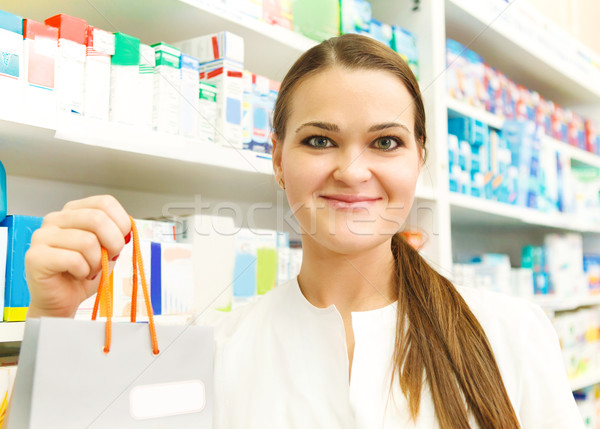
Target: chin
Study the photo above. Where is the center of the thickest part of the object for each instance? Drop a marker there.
(351, 242)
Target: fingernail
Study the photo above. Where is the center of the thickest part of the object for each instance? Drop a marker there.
(115, 258)
(128, 237)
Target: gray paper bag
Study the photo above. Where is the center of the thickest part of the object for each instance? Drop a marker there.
(65, 380)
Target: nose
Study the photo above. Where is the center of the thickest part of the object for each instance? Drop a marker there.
(352, 166)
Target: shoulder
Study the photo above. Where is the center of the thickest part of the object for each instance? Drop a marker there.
(528, 354)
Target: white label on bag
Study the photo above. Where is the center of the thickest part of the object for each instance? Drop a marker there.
(152, 401)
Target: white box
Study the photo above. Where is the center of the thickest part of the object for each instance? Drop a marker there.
(145, 92)
(96, 98)
(213, 245)
(70, 71)
(217, 46)
(167, 89)
(124, 81)
(190, 103)
(208, 112)
(227, 78)
(177, 278)
(39, 57)
(11, 67)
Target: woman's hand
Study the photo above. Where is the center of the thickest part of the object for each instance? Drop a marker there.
(63, 265)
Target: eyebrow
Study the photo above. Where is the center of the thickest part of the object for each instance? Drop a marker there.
(327, 126)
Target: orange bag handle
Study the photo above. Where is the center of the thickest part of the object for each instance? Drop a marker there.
(105, 291)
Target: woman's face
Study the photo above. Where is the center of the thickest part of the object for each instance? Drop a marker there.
(349, 158)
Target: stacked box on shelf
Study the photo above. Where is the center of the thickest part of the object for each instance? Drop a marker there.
(212, 239)
(356, 16)
(588, 402)
(579, 335)
(124, 79)
(317, 26)
(70, 62)
(278, 12)
(40, 52)
(208, 112)
(145, 93)
(188, 116)
(261, 109)
(15, 293)
(405, 43)
(100, 46)
(11, 66)
(167, 88)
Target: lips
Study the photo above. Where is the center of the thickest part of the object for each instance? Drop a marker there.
(354, 201)
(350, 198)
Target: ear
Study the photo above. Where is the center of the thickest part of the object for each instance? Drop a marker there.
(277, 149)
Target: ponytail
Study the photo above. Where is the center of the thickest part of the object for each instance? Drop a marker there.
(438, 335)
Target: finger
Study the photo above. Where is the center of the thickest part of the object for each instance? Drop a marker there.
(108, 204)
(44, 262)
(78, 240)
(92, 220)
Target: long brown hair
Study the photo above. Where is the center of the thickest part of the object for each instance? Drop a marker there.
(437, 335)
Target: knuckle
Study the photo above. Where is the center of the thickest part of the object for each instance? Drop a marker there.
(51, 218)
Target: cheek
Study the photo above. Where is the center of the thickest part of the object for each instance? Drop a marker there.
(304, 175)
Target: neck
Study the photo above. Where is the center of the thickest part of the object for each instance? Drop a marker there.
(352, 282)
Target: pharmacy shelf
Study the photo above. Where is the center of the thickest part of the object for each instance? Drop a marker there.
(269, 50)
(521, 56)
(467, 210)
(103, 153)
(460, 108)
(585, 381)
(553, 303)
(11, 331)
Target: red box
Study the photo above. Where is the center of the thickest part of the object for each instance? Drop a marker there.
(41, 54)
(69, 27)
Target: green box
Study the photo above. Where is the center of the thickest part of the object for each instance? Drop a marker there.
(127, 50)
(317, 19)
(167, 55)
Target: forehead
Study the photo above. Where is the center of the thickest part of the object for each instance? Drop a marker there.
(352, 98)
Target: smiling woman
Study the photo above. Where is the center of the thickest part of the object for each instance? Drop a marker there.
(368, 335)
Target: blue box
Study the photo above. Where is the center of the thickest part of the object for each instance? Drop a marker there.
(16, 293)
(3, 192)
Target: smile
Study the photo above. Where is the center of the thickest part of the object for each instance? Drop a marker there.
(352, 202)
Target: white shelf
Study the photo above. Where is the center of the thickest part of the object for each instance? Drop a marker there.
(11, 331)
(463, 109)
(521, 56)
(563, 304)
(585, 381)
(269, 50)
(459, 108)
(468, 210)
(120, 156)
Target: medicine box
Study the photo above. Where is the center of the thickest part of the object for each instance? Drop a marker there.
(208, 111)
(167, 88)
(16, 293)
(247, 98)
(189, 110)
(356, 16)
(218, 46)
(245, 268)
(405, 43)
(70, 62)
(227, 78)
(266, 260)
(124, 82)
(40, 50)
(145, 93)
(100, 45)
(212, 239)
(381, 32)
(278, 12)
(260, 116)
(11, 66)
(317, 26)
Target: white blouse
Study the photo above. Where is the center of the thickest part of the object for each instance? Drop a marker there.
(283, 363)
